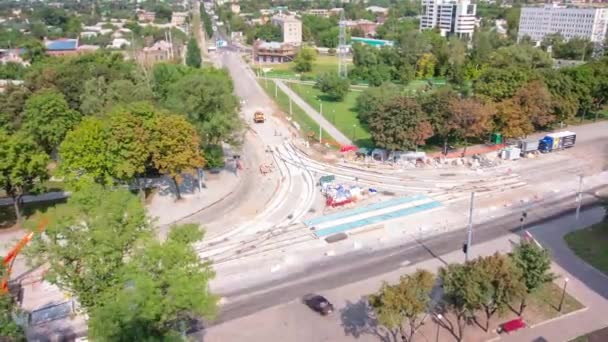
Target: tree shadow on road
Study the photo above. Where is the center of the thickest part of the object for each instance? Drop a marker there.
(358, 319)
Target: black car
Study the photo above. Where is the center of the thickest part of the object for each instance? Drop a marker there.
(319, 304)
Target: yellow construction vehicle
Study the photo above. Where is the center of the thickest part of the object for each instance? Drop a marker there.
(258, 117)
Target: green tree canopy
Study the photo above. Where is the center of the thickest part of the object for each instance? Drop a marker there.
(175, 148)
(23, 167)
(374, 97)
(534, 263)
(48, 118)
(87, 241)
(499, 282)
(304, 59)
(165, 285)
(9, 330)
(193, 54)
(206, 98)
(399, 125)
(333, 86)
(399, 307)
(85, 154)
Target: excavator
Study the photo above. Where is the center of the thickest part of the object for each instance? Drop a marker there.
(9, 259)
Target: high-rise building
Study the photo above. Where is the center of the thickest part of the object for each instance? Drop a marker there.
(291, 28)
(570, 22)
(449, 16)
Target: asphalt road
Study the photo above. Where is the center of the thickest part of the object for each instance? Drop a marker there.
(357, 266)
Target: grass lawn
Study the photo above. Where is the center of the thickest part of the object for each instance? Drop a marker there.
(7, 213)
(286, 70)
(308, 126)
(590, 245)
(595, 336)
(545, 302)
(342, 114)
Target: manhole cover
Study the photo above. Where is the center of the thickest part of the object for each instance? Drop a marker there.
(447, 174)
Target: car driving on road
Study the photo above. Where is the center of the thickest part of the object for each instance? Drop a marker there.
(318, 303)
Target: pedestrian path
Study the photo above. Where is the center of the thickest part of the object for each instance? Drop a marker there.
(320, 119)
(371, 214)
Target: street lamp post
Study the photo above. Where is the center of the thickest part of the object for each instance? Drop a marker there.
(439, 317)
(561, 302)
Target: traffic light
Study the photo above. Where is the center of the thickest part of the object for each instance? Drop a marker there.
(465, 248)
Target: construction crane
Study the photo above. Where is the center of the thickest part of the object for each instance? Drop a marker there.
(9, 259)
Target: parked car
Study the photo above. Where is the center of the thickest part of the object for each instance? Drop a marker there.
(319, 304)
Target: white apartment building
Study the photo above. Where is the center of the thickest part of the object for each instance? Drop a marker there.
(449, 16)
(537, 22)
(291, 28)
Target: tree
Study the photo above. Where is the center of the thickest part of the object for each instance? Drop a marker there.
(193, 54)
(206, 98)
(425, 68)
(374, 97)
(437, 105)
(304, 59)
(9, 330)
(35, 51)
(334, 86)
(461, 295)
(175, 148)
(48, 118)
(399, 125)
(498, 84)
(511, 121)
(499, 283)
(401, 305)
(471, 118)
(535, 265)
(84, 153)
(130, 139)
(164, 286)
(23, 167)
(536, 104)
(100, 95)
(12, 101)
(88, 239)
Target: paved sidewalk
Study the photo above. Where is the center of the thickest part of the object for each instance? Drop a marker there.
(294, 322)
(320, 119)
(215, 187)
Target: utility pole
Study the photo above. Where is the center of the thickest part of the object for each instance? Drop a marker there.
(342, 69)
(290, 111)
(275, 90)
(467, 246)
(320, 135)
(579, 196)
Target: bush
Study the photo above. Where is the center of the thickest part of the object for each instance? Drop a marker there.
(331, 52)
(214, 155)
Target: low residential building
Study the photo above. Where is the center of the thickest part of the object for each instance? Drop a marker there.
(451, 17)
(161, 51)
(366, 26)
(378, 10)
(273, 52)
(570, 22)
(88, 34)
(179, 18)
(66, 47)
(9, 83)
(119, 43)
(143, 15)
(61, 47)
(12, 56)
(319, 12)
(291, 28)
